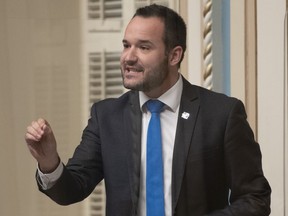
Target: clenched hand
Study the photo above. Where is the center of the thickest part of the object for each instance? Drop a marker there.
(42, 145)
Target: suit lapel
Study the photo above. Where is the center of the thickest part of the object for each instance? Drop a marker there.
(188, 112)
(132, 124)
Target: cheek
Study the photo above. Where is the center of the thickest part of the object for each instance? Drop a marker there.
(151, 61)
(122, 58)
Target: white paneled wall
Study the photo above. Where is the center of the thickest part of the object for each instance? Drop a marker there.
(270, 16)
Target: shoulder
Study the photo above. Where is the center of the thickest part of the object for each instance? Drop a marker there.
(210, 101)
(113, 104)
(210, 96)
(206, 96)
(220, 106)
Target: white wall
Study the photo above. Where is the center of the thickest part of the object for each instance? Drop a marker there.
(270, 26)
(194, 42)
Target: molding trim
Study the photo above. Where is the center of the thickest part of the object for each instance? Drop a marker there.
(250, 62)
(207, 44)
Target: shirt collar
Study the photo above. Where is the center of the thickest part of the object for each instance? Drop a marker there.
(171, 97)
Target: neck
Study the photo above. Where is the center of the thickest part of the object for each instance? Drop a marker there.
(157, 92)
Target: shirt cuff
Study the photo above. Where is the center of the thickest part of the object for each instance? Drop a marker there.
(48, 180)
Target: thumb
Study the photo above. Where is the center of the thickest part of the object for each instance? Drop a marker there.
(47, 131)
(46, 128)
(44, 125)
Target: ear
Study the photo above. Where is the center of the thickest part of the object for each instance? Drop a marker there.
(175, 55)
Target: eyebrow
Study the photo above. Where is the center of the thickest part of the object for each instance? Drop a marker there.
(140, 42)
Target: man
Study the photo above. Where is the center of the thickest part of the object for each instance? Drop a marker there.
(211, 162)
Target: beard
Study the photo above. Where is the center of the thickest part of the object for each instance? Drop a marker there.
(151, 78)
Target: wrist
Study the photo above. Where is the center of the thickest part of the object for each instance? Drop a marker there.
(49, 165)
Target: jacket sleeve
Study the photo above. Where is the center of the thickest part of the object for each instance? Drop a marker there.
(83, 171)
(250, 191)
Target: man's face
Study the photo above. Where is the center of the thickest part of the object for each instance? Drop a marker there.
(144, 64)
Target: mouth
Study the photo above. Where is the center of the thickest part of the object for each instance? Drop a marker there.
(133, 69)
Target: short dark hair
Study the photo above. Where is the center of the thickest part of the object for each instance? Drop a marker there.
(175, 27)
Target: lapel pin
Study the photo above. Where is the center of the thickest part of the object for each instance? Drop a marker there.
(185, 115)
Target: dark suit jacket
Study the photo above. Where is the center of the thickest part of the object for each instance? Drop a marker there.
(216, 162)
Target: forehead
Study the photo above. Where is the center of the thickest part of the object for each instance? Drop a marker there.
(141, 28)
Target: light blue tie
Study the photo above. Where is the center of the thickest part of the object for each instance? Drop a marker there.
(154, 162)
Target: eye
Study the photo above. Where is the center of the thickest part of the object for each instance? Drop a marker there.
(126, 46)
(144, 48)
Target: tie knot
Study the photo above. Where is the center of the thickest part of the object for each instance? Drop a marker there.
(154, 106)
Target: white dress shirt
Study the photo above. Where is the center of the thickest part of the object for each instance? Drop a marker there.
(168, 119)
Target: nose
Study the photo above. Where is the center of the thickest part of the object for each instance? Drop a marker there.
(130, 56)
